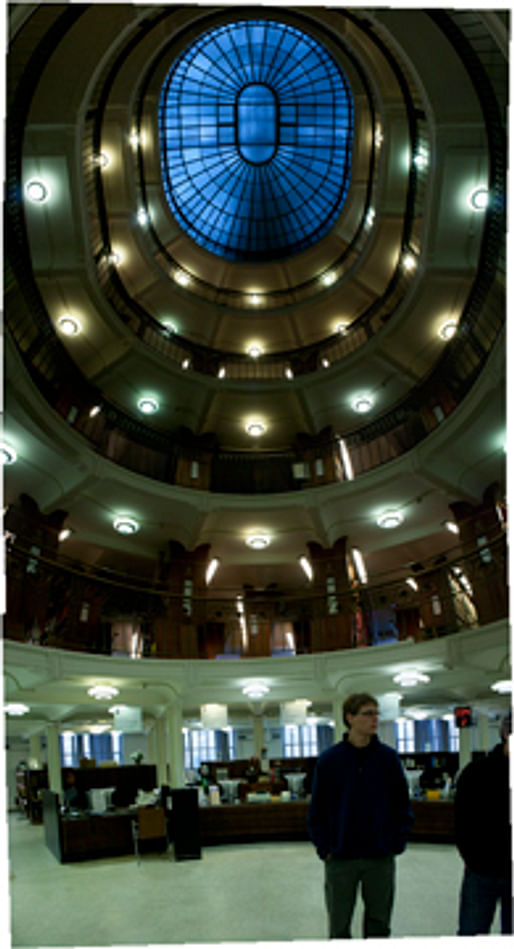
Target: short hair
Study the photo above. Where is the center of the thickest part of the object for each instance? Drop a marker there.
(354, 702)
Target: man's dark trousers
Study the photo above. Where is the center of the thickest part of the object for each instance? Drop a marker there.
(342, 877)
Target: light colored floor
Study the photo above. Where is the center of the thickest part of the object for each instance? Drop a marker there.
(270, 892)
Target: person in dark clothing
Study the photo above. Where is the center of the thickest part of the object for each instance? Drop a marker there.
(359, 818)
(484, 839)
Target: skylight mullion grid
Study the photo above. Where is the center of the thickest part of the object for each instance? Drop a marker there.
(234, 196)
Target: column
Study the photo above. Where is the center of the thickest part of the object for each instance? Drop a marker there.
(337, 715)
(175, 749)
(258, 735)
(35, 751)
(483, 732)
(152, 750)
(160, 735)
(53, 753)
(464, 747)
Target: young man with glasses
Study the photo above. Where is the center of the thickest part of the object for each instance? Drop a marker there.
(359, 819)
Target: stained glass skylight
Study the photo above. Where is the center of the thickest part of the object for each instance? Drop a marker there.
(256, 131)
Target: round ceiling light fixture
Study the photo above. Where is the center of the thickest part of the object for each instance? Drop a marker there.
(125, 525)
(479, 198)
(16, 709)
(448, 329)
(254, 350)
(37, 191)
(255, 428)
(255, 690)
(390, 519)
(362, 404)
(8, 454)
(148, 405)
(69, 325)
(410, 678)
(101, 692)
(503, 686)
(258, 541)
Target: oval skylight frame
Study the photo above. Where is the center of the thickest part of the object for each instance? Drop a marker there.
(246, 189)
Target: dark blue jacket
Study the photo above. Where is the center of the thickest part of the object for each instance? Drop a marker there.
(360, 802)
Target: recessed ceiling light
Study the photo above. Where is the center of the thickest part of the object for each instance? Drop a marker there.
(125, 525)
(421, 158)
(94, 410)
(37, 191)
(325, 362)
(390, 519)
(114, 257)
(451, 526)
(186, 363)
(8, 454)
(254, 350)
(69, 325)
(134, 139)
(255, 428)
(479, 198)
(342, 328)
(328, 278)
(362, 403)
(182, 278)
(169, 327)
(64, 534)
(16, 708)
(103, 691)
(288, 372)
(148, 405)
(254, 299)
(103, 159)
(258, 541)
(222, 372)
(408, 261)
(412, 583)
(142, 216)
(448, 329)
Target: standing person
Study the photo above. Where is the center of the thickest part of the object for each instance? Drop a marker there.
(484, 839)
(359, 818)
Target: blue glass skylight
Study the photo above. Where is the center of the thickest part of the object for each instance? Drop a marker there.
(256, 131)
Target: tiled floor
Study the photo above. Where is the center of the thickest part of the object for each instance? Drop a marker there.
(270, 892)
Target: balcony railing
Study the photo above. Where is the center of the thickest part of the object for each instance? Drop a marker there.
(61, 603)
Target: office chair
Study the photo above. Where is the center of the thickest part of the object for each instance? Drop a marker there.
(150, 824)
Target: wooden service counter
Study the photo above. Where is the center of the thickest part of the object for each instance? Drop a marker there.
(244, 823)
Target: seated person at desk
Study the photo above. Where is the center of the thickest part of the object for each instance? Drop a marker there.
(72, 798)
(253, 770)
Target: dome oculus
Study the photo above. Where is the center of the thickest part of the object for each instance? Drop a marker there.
(256, 131)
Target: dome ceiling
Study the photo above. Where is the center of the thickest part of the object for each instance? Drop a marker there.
(353, 313)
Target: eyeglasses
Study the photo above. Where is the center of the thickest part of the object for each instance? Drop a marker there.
(370, 714)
